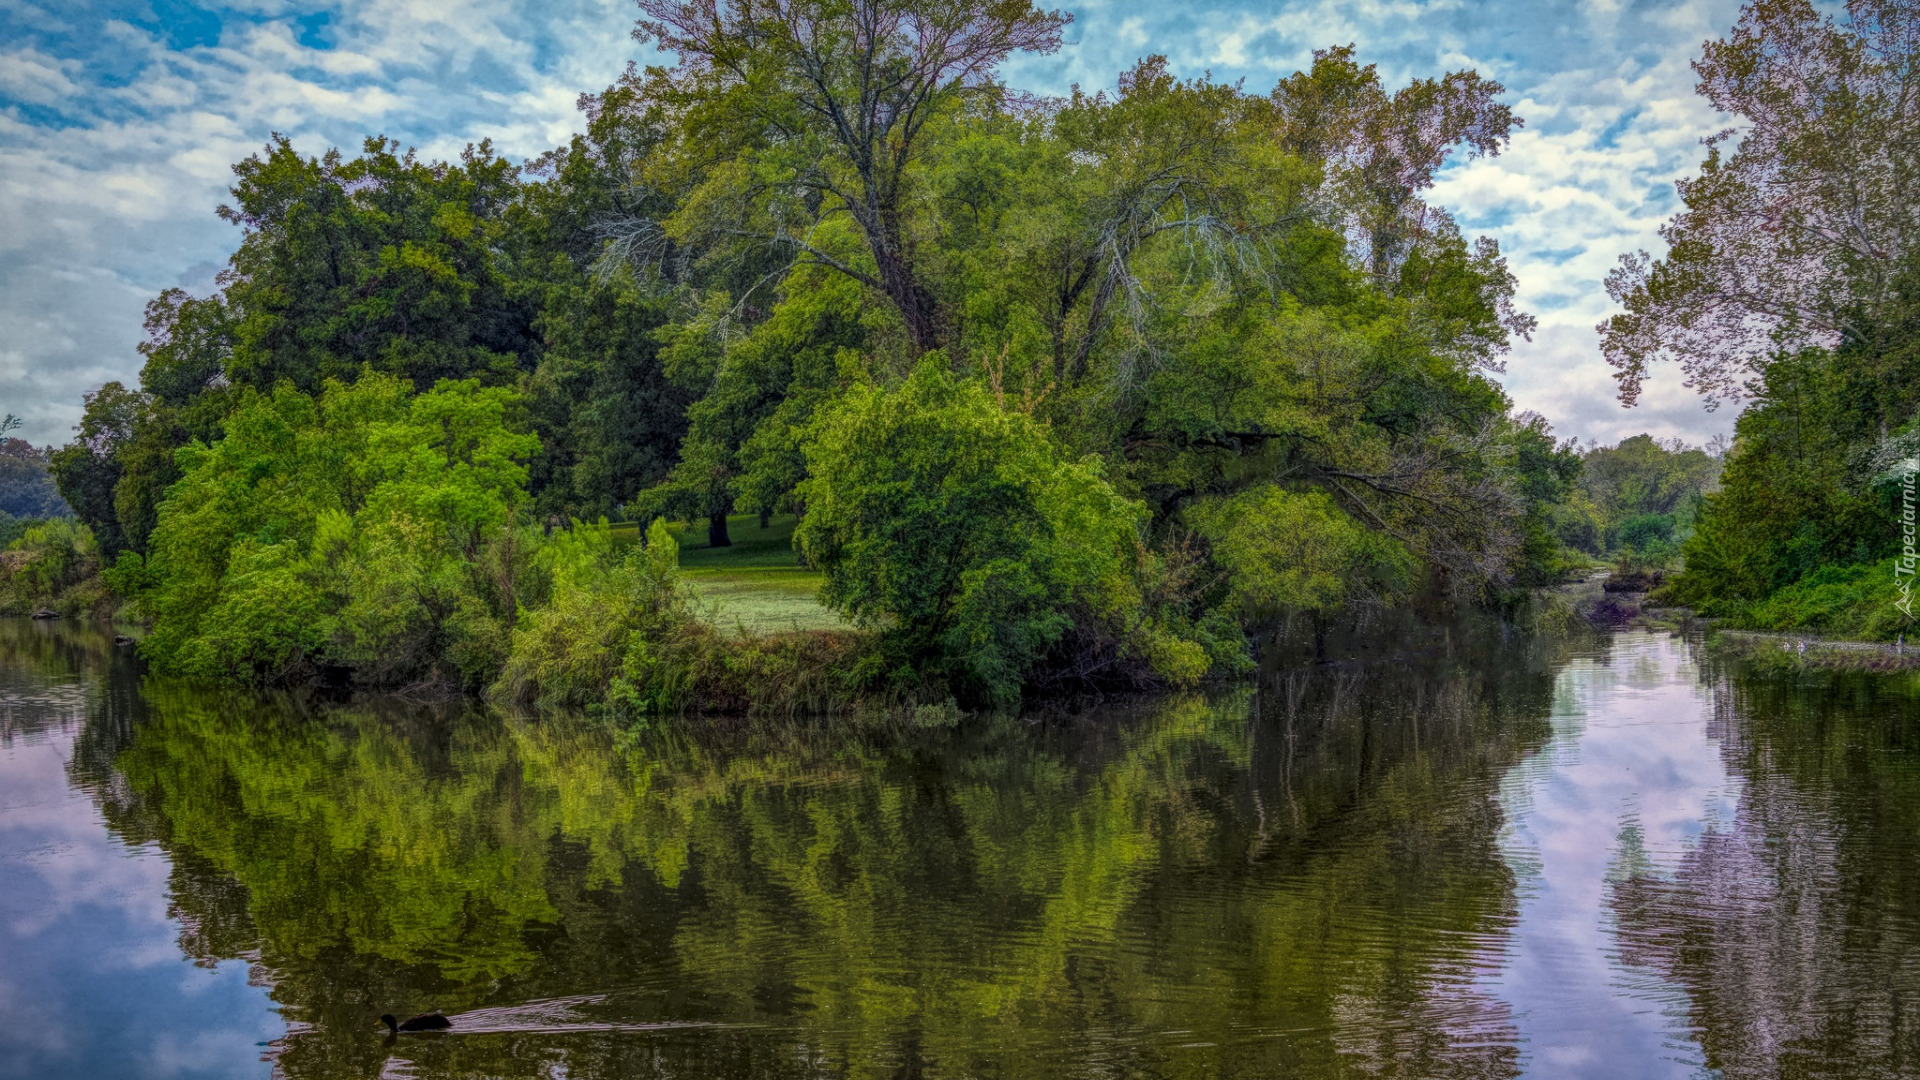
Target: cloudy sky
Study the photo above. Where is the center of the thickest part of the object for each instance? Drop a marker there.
(119, 120)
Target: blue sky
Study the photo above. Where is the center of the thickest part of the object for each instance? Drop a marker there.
(119, 120)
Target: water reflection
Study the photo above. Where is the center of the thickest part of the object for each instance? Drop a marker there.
(92, 982)
(1628, 785)
(1479, 860)
(1793, 926)
(1302, 883)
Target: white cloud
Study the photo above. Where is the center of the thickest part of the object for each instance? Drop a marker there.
(113, 201)
(33, 77)
(1590, 179)
(1561, 376)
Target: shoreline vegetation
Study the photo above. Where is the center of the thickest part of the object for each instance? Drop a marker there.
(982, 399)
(1797, 652)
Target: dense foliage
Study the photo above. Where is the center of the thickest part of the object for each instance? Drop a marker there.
(1791, 282)
(962, 534)
(1637, 499)
(367, 530)
(1064, 392)
(51, 565)
(1806, 528)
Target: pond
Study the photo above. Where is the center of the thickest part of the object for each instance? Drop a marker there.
(1475, 858)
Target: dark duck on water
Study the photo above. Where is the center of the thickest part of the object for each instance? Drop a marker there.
(432, 1021)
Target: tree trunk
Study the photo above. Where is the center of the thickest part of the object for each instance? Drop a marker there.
(917, 306)
(717, 531)
(917, 309)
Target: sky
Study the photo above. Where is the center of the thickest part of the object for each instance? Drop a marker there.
(120, 121)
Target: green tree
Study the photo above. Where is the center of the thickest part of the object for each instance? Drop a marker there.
(960, 533)
(1206, 306)
(744, 433)
(368, 530)
(382, 260)
(798, 113)
(88, 469)
(609, 416)
(1645, 475)
(52, 564)
(1799, 495)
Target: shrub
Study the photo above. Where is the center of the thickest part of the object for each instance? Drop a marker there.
(601, 609)
(372, 530)
(958, 532)
(52, 565)
(1846, 601)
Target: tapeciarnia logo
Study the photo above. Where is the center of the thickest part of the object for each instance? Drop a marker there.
(1903, 567)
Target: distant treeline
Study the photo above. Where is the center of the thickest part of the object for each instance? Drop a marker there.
(1639, 499)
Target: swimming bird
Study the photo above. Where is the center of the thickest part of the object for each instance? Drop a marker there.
(432, 1021)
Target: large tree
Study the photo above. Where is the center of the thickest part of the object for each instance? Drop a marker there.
(1803, 219)
(804, 109)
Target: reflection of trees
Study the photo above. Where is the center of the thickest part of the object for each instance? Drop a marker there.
(41, 675)
(1794, 927)
(1299, 879)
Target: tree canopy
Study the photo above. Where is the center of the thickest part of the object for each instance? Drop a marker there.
(1037, 375)
(1800, 229)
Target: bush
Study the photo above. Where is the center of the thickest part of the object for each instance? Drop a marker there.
(52, 565)
(601, 607)
(371, 530)
(1844, 601)
(959, 534)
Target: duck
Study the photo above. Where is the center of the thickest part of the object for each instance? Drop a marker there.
(432, 1021)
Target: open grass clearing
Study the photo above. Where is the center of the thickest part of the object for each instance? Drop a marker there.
(757, 584)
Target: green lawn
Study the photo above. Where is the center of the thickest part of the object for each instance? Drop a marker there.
(757, 584)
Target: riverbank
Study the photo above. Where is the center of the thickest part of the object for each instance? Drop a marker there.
(1603, 601)
(1613, 601)
(1806, 652)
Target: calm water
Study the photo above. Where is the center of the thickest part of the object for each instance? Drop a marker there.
(1610, 860)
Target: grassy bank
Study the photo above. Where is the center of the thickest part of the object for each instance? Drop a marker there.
(755, 586)
(1799, 652)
